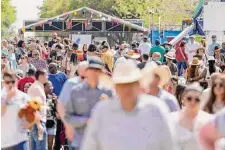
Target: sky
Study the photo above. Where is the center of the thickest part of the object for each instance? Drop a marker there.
(26, 10)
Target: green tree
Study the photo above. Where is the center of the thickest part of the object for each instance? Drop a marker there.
(8, 17)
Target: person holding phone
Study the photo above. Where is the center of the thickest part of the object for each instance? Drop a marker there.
(13, 129)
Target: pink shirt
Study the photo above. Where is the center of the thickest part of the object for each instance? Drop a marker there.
(37, 90)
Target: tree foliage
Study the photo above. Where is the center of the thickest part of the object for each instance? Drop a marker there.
(8, 17)
(171, 12)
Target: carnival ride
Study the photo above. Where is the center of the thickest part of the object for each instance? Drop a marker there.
(203, 22)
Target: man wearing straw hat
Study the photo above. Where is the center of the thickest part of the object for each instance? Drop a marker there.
(83, 98)
(161, 76)
(130, 121)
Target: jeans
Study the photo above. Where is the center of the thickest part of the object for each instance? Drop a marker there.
(20, 146)
(180, 66)
(35, 143)
(59, 127)
(74, 148)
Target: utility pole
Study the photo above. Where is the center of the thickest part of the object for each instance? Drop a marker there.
(151, 23)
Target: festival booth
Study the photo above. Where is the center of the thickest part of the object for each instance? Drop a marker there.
(84, 21)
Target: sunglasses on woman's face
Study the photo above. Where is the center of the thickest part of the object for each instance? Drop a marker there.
(8, 82)
(3, 57)
(220, 85)
(190, 98)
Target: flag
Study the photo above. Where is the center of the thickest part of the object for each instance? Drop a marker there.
(57, 19)
(129, 28)
(86, 23)
(117, 22)
(34, 28)
(113, 22)
(49, 22)
(124, 27)
(75, 13)
(23, 29)
(66, 18)
(69, 24)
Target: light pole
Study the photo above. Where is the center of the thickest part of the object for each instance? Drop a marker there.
(151, 23)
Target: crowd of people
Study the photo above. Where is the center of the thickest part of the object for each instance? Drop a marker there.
(127, 97)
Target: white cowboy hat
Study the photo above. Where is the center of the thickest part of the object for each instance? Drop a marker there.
(126, 72)
(169, 55)
(120, 60)
(210, 58)
(152, 68)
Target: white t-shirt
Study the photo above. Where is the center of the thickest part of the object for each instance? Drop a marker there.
(145, 128)
(145, 48)
(184, 138)
(191, 50)
(205, 97)
(12, 132)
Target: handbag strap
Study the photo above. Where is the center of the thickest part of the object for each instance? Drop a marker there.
(206, 58)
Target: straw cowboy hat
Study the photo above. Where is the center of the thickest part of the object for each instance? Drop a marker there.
(96, 63)
(132, 54)
(170, 55)
(195, 62)
(126, 72)
(153, 69)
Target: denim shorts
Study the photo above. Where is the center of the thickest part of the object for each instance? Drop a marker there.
(51, 131)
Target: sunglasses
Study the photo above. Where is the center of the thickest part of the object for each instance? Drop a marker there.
(8, 82)
(190, 98)
(4, 57)
(220, 85)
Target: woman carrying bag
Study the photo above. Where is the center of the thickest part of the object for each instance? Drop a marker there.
(181, 58)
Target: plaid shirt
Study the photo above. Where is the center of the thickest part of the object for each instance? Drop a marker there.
(39, 63)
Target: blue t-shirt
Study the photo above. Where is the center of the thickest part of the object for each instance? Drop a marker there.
(57, 80)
